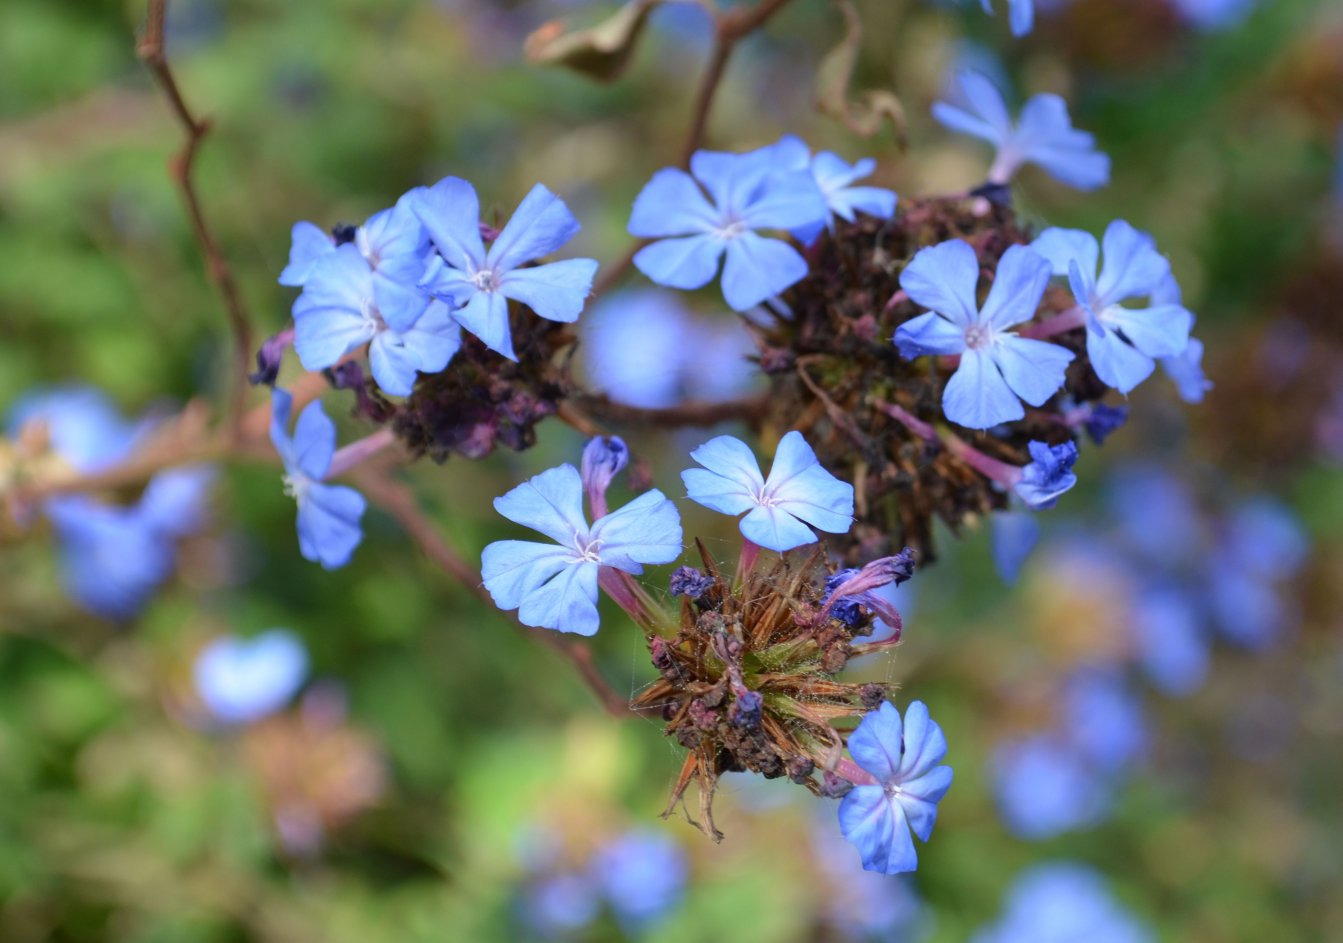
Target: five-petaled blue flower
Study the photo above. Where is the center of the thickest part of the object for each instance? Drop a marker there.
(1020, 14)
(1122, 343)
(241, 680)
(328, 515)
(1049, 474)
(478, 284)
(798, 490)
(1044, 135)
(836, 179)
(393, 243)
(555, 587)
(745, 193)
(903, 759)
(344, 304)
(997, 368)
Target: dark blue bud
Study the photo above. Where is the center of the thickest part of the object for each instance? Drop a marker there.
(268, 358)
(343, 233)
(1104, 420)
(688, 581)
(746, 710)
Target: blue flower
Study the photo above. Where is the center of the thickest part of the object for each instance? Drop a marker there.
(80, 425)
(1049, 474)
(393, 243)
(328, 515)
(1013, 535)
(1170, 640)
(555, 587)
(836, 180)
(643, 874)
(1185, 369)
(1063, 903)
(1102, 421)
(903, 758)
(1214, 14)
(1122, 343)
(112, 560)
(799, 491)
(1021, 14)
(998, 369)
(745, 193)
(344, 305)
(241, 680)
(1262, 545)
(1103, 720)
(1044, 135)
(1044, 787)
(479, 284)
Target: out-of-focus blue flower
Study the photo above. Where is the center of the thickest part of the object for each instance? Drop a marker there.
(644, 348)
(392, 242)
(1122, 343)
(864, 905)
(798, 492)
(328, 515)
(903, 758)
(1214, 14)
(558, 904)
(1020, 14)
(555, 587)
(478, 284)
(1062, 902)
(716, 211)
(344, 305)
(1045, 786)
(1104, 720)
(1262, 544)
(643, 874)
(112, 558)
(1171, 642)
(1157, 515)
(1044, 135)
(1049, 474)
(998, 369)
(1103, 421)
(836, 179)
(241, 680)
(1013, 535)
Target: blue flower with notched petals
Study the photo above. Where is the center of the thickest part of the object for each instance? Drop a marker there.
(798, 492)
(1061, 902)
(241, 680)
(479, 284)
(344, 304)
(998, 369)
(328, 515)
(392, 242)
(1044, 135)
(903, 758)
(1020, 14)
(1122, 343)
(554, 586)
(716, 210)
(1049, 474)
(836, 179)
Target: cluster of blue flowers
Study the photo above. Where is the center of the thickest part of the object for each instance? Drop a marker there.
(113, 556)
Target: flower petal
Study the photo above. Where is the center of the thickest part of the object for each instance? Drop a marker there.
(568, 602)
(486, 316)
(672, 204)
(539, 226)
(775, 529)
(876, 827)
(556, 291)
(944, 278)
(1063, 246)
(513, 569)
(759, 268)
(450, 212)
(977, 396)
(1018, 286)
(1116, 362)
(393, 364)
(647, 530)
(1133, 266)
(309, 244)
(551, 503)
(314, 441)
(877, 743)
(1158, 331)
(1035, 370)
(328, 524)
(929, 333)
(923, 742)
(688, 262)
(919, 799)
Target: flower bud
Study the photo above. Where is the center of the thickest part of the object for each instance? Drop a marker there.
(603, 459)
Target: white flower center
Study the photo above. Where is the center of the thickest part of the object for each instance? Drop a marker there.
(978, 336)
(730, 229)
(587, 549)
(486, 280)
(296, 485)
(373, 317)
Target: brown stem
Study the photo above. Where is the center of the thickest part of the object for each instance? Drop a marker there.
(749, 409)
(397, 500)
(151, 51)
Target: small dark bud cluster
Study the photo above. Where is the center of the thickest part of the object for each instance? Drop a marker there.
(690, 582)
(344, 233)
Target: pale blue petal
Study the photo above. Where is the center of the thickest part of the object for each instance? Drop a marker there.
(1083, 286)
(733, 459)
(310, 243)
(1133, 266)
(874, 201)
(539, 226)
(877, 828)
(398, 302)
(1035, 370)
(919, 798)
(944, 277)
(1018, 286)
(1045, 136)
(435, 338)
(689, 262)
(1014, 535)
(323, 336)
(1063, 246)
(792, 457)
(449, 284)
(1021, 16)
(393, 364)
(513, 569)
(878, 742)
(393, 237)
(758, 268)
(924, 745)
(958, 119)
(833, 173)
(551, 502)
(314, 441)
(724, 495)
(775, 529)
(1116, 362)
(450, 212)
(1160, 331)
(786, 201)
(979, 109)
(929, 334)
(173, 503)
(977, 396)
(811, 493)
(329, 319)
(328, 524)
(486, 316)
(730, 179)
(1186, 370)
(567, 603)
(241, 680)
(647, 530)
(672, 204)
(556, 291)
(281, 405)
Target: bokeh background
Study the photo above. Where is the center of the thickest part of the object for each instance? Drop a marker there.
(1158, 700)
